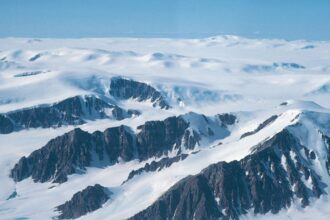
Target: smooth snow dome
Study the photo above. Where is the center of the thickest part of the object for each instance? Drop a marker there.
(226, 71)
(252, 79)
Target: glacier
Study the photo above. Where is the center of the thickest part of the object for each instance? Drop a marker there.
(233, 95)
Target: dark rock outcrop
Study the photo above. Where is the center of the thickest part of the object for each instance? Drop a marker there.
(251, 68)
(265, 181)
(71, 111)
(6, 125)
(191, 198)
(327, 144)
(129, 89)
(159, 137)
(35, 57)
(156, 165)
(74, 151)
(12, 195)
(191, 139)
(32, 73)
(227, 119)
(261, 126)
(83, 202)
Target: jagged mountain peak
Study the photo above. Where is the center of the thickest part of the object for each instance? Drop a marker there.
(76, 148)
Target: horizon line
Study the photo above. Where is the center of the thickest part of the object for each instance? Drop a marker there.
(210, 36)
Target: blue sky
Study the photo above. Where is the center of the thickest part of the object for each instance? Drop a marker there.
(289, 19)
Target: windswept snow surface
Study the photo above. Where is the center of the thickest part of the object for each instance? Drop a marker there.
(254, 79)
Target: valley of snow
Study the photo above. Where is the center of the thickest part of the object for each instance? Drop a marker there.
(253, 79)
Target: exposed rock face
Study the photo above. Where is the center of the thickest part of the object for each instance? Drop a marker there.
(157, 165)
(129, 89)
(120, 114)
(227, 119)
(34, 58)
(191, 139)
(76, 150)
(251, 68)
(261, 126)
(82, 202)
(73, 152)
(6, 125)
(265, 181)
(71, 111)
(191, 198)
(158, 137)
(327, 143)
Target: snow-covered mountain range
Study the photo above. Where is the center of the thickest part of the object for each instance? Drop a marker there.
(122, 128)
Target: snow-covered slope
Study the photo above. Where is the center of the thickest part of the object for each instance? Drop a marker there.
(144, 128)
